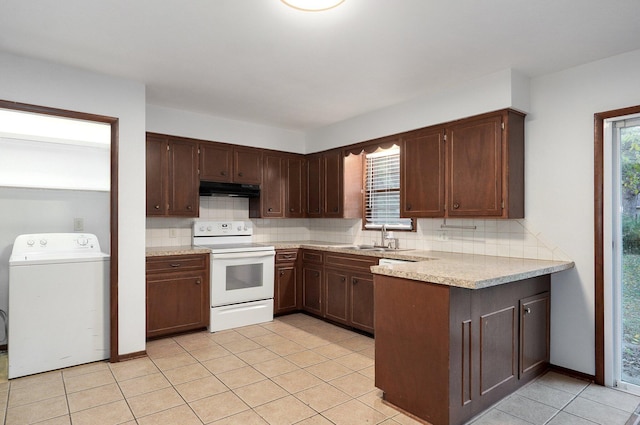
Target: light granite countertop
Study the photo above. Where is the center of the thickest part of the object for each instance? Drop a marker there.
(453, 269)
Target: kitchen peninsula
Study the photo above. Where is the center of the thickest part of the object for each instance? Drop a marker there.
(457, 334)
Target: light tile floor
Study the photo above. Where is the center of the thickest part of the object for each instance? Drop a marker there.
(294, 370)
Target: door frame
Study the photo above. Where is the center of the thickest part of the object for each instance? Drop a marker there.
(113, 214)
(598, 203)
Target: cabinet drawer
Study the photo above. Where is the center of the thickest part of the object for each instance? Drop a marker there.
(357, 262)
(288, 256)
(177, 263)
(312, 257)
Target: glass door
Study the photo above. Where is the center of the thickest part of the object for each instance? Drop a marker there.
(626, 251)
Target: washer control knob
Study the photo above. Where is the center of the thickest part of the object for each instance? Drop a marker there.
(202, 228)
(208, 228)
(83, 241)
(30, 242)
(43, 242)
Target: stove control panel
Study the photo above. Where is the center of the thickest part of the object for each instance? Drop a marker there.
(222, 228)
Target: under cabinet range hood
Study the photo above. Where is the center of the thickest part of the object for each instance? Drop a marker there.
(229, 189)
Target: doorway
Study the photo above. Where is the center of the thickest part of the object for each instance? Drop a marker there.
(64, 191)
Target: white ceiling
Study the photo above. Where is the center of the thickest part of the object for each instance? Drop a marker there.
(260, 61)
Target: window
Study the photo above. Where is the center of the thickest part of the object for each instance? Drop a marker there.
(382, 191)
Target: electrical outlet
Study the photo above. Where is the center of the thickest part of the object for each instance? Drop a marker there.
(173, 233)
(442, 236)
(78, 224)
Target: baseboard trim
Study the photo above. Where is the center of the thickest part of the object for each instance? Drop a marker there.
(572, 373)
(129, 356)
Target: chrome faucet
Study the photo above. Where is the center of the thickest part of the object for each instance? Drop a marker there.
(383, 236)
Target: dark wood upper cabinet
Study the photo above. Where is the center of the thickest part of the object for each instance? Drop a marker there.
(472, 167)
(422, 173)
(475, 167)
(171, 177)
(296, 182)
(216, 162)
(247, 165)
(315, 176)
(325, 184)
(157, 169)
(224, 163)
(273, 187)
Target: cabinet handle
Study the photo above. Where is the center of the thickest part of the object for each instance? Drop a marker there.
(174, 265)
(189, 207)
(291, 209)
(408, 207)
(270, 209)
(335, 209)
(240, 174)
(527, 310)
(355, 281)
(456, 206)
(157, 207)
(223, 173)
(281, 273)
(316, 274)
(317, 210)
(343, 279)
(198, 282)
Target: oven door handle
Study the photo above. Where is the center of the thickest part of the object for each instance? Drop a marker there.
(234, 255)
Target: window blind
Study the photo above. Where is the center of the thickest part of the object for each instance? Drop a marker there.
(382, 192)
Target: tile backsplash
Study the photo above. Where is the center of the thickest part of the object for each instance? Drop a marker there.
(504, 238)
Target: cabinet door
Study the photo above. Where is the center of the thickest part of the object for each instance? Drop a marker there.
(333, 184)
(285, 288)
(215, 162)
(247, 166)
(337, 296)
(175, 303)
(534, 333)
(157, 176)
(475, 168)
(314, 186)
(312, 289)
(183, 179)
(422, 174)
(295, 188)
(273, 185)
(361, 302)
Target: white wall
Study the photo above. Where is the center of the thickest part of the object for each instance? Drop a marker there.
(47, 84)
(207, 127)
(559, 187)
(496, 91)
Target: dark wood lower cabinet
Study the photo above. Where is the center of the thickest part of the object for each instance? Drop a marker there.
(312, 289)
(361, 302)
(336, 296)
(177, 294)
(286, 298)
(445, 354)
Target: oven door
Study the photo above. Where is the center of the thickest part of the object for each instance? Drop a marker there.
(241, 277)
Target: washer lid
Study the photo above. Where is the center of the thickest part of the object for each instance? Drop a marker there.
(56, 246)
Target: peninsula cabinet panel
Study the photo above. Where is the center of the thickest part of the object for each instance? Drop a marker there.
(534, 328)
(422, 173)
(446, 354)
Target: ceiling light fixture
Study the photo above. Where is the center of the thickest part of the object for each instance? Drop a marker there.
(313, 5)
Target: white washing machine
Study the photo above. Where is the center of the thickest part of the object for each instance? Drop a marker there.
(58, 302)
